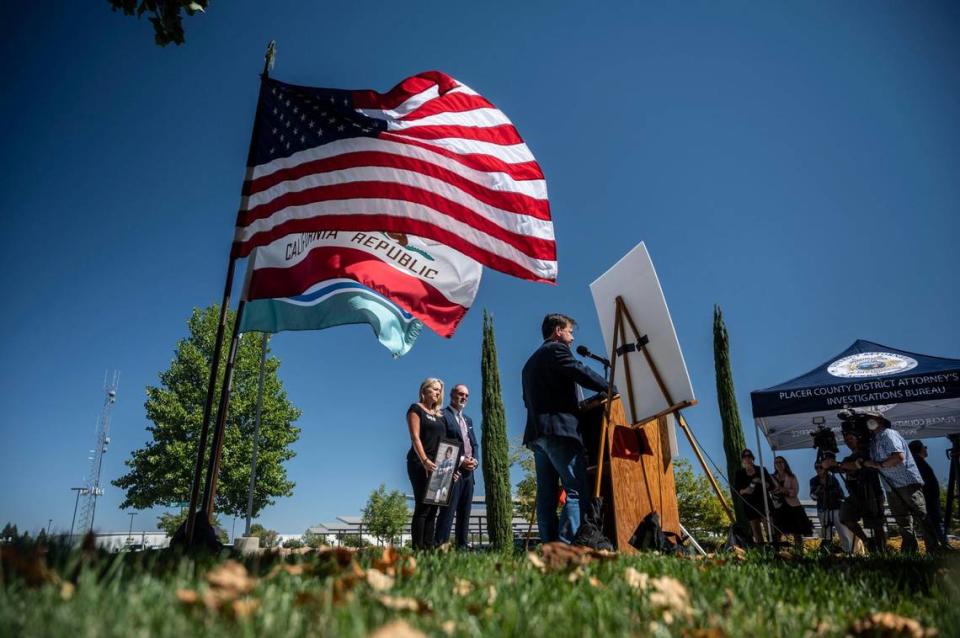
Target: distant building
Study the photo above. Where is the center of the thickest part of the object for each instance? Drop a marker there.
(118, 541)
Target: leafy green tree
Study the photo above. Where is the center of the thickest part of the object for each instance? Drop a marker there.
(167, 17)
(268, 537)
(733, 439)
(293, 543)
(496, 462)
(525, 500)
(170, 521)
(385, 514)
(699, 508)
(9, 533)
(161, 472)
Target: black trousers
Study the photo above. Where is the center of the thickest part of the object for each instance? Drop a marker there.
(424, 521)
(461, 499)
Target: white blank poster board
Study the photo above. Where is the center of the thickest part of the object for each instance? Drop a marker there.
(634, 279)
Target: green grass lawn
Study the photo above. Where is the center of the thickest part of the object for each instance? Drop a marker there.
(159, 594)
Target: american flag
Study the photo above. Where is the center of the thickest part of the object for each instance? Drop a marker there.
(430, 157)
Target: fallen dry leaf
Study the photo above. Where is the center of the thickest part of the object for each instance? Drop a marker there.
(293, 570)
(67, 590)
(342, 556)
(448, 627)
(491, 595)
(379, 581)
(885, 624)
(462, 587)
(636, 579)
(231, 580)
(397, 629)
(244, 608)
(559, 555)
(409, 567)
(404, 603)
(387, 561)
(536, 561)
(670, 597)
(188, 596)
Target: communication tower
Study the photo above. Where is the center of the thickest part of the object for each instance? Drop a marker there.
(92, 483)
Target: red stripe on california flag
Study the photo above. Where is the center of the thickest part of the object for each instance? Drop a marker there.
(505, 200)
(385, 223)
(532, 246)
(478, 161)
(403, 91)
(504, 134)
(449, 103)
(414, 295)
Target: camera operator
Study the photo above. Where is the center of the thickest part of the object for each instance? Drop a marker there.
(826, 491)
(864, 494)
(891, 456)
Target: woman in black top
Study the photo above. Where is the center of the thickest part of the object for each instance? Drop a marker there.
(747, 483)
(425, 422)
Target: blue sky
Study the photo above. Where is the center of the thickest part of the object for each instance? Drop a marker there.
(795, 164)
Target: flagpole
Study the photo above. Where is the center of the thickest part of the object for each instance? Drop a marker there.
(256, 429)
(218, 342)
(208, 404)
(213, 465)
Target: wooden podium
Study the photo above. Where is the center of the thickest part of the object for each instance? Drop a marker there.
(636, 470)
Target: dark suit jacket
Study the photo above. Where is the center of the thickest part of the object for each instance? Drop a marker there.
(550, 379)
(453, 432)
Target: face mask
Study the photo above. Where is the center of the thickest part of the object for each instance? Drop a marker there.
(872, 424)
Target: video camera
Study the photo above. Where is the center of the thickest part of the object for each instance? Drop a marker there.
(855, 421)
(825, 442)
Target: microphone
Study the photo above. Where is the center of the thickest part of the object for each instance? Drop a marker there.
(584, 352)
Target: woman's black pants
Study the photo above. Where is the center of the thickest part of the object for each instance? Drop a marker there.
(424, 522)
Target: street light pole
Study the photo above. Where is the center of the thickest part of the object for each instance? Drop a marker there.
(79, 491)
(130, 531)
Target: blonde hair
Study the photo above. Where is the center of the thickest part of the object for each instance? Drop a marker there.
(429, 381)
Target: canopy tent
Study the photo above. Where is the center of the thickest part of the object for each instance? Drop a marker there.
(919, 394)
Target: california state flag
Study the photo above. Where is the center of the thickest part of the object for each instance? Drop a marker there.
(426, 279)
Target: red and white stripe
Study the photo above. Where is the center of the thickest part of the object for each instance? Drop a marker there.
(451, 167)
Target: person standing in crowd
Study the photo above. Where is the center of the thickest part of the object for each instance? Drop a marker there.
(790, 517)
(460, 427)
(890, 455)
(826, 491)
(425, 423)
(931, 489)
(747, 483)
(864, 494)
(550, 379)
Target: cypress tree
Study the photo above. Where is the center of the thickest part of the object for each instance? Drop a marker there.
(733, 439)
(496, 463)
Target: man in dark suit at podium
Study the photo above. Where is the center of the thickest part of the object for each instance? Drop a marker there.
(460, 427)
(550, 379)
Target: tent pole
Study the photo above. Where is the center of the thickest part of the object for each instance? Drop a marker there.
(763, 481)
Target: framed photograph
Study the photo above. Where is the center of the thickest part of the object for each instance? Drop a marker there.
(441, 480)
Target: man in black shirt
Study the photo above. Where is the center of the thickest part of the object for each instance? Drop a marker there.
(931, 489)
